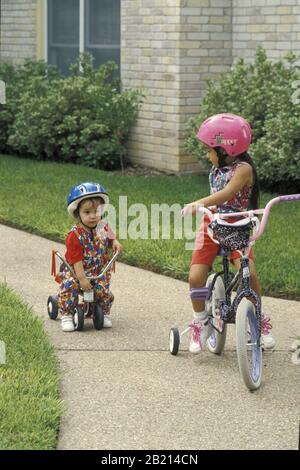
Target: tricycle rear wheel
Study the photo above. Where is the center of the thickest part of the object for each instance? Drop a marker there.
(52, 307)
(78, 318)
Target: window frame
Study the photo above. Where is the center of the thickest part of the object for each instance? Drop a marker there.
(97, 46)
(50, 40)
(83, 14)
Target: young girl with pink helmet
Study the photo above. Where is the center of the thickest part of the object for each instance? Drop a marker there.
(234, 188)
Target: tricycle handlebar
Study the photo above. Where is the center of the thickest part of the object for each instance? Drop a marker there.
(91, 277)
(105, 269)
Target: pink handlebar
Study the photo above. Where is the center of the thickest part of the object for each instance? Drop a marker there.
(265, 212)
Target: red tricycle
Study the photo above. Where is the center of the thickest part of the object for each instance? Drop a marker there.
(87, 306)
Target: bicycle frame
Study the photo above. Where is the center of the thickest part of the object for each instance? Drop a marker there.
(228, 308)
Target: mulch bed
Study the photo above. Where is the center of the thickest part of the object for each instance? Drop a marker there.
(138, 170)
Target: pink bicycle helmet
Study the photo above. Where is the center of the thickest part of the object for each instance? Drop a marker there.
(229, 131)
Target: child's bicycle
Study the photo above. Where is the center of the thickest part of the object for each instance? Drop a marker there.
(87, 307)
(221, 308)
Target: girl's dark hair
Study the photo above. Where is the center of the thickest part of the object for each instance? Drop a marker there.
(243, 157)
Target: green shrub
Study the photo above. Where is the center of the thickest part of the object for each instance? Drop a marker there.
(81, 119)
(18, 79)
(263, 93)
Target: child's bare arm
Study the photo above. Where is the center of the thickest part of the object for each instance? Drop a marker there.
(240, 179)
(80, 274)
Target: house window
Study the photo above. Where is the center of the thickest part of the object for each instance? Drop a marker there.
(63, 33)
(102, 30)
(76, 26)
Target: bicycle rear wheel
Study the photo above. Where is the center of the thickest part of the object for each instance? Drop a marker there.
(216, 341)
(248, 352)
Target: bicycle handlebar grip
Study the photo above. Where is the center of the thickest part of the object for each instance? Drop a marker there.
(291, 197)
(206, 211)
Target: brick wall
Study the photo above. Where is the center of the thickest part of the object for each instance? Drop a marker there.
(150, 58)
(205, 52)
(17, 30)
(170, 48)
(273, 23)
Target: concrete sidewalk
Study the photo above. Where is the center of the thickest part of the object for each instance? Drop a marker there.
(123, 390)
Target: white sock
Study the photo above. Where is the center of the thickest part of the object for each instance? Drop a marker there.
(199, 316)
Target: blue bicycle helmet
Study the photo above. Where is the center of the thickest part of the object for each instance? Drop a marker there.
(84, 191)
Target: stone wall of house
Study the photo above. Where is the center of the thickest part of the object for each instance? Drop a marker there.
(275, 24)
(150, 58)
(170, 48)
(17, 30)
(205, 48)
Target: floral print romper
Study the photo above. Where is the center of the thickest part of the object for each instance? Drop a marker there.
(96, 253)
(219, 178)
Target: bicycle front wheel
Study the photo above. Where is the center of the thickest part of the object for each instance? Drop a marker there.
(216, 341)
(249, 353)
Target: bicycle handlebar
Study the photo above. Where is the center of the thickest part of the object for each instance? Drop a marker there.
(251, 213)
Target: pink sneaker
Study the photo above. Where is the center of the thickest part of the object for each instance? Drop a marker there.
(267, 340)
(200, 332)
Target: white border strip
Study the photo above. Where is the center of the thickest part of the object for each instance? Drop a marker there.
(81, 25)
(45, 26)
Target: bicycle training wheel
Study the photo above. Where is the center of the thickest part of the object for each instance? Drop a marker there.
(174, 341)
(248, 352)
(216, 341)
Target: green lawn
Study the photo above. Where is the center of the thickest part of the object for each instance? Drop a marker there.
(30, 407)
(33, 197)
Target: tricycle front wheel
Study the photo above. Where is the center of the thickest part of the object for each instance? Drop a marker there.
(98, 317)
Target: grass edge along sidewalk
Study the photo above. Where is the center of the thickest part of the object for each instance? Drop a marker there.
(30, 406)
(33, 198)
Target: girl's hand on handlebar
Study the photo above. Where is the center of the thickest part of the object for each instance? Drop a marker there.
(189, 209)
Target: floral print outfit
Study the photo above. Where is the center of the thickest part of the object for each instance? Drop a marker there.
(95, 251)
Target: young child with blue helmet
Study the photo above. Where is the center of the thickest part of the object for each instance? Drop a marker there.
(88, 250)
